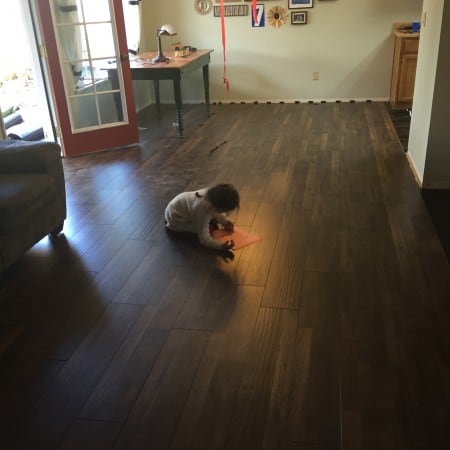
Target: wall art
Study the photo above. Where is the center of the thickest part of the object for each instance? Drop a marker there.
(203, 6)
(299, 17)
(260, 17)
(231, 10)
(277, 16)
(297, 4)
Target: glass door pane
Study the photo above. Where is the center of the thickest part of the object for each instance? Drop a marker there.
(87, 45)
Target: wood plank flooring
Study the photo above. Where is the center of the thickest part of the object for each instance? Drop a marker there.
(332, 332)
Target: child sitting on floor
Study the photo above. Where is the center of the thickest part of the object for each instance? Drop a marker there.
(200, 211)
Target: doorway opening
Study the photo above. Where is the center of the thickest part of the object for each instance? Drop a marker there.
(23, 100)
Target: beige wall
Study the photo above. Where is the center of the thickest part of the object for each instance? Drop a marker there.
(429, 140)
(425, 83)
(349, 42)
(437, 167)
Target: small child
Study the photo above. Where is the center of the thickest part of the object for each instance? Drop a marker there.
(199, 211)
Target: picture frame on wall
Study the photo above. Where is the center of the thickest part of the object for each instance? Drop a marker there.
(299, 17)
(232, 10)
(300, 4)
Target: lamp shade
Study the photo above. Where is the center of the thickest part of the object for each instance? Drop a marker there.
(167, 29)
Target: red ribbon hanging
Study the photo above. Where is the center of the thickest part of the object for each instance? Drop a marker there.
(255, 16)
(224, 45)
(224, 39)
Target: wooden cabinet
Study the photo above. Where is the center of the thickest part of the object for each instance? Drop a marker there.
(404, 69)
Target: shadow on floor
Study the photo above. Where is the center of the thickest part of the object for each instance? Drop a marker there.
(438, 205)
(402, 121)
(437, 201)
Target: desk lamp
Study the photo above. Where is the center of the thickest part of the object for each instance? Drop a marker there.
(165, 30)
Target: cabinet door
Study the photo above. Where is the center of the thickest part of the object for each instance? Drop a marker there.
(407, 77)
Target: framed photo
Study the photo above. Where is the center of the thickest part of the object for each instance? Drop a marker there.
(299, 17)
(300, 4)
(232, 10)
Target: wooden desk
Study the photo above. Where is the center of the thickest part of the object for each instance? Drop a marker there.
(143, 69)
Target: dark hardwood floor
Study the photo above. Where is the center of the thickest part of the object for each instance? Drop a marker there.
(437, 201)
(330, 333)
(402, 123)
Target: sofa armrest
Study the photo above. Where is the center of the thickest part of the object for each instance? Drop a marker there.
(22, 157)
(29, 157)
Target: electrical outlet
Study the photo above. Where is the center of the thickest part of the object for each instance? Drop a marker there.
(315, 76)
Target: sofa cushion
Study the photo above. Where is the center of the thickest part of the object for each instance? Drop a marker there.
(20, 196)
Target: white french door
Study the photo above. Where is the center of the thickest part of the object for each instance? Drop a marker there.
(84, 39)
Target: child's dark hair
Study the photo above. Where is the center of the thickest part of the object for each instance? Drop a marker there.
(223, 197)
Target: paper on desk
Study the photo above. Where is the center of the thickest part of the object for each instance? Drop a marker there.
(240, 237)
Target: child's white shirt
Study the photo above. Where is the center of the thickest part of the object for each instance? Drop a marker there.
(192, 212)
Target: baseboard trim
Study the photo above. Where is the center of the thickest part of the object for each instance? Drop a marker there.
(414, 169)
(301, 100)
(269, 101)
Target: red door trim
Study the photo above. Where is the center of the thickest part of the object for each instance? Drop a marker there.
(96, 140)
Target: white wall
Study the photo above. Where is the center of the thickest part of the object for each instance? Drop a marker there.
(349, 42)
(429, 139)
(424, 87)
(437, 165)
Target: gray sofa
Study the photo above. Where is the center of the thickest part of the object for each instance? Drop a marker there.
(32, 196)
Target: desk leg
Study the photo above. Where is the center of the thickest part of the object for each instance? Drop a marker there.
(157, 94)
(178, 103)
(206, 85)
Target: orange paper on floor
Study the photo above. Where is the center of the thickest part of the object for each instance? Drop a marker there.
(240, 237)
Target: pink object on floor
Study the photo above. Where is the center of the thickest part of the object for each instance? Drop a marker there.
(240, 237)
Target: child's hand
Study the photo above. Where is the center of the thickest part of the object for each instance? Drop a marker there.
(229, 226)
(228, 245)
(227, 256)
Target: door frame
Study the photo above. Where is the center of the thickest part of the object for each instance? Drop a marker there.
(29, 16)
(82, 142)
